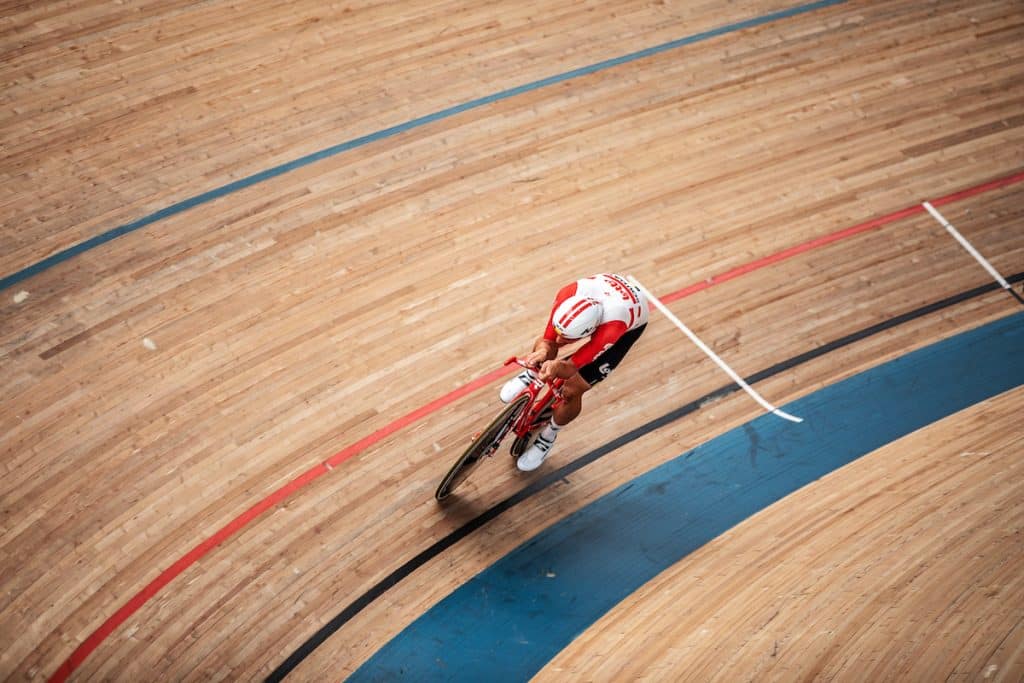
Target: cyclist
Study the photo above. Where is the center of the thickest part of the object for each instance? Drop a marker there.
(613, 314)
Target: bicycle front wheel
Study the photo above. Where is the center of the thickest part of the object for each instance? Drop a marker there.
(521, 442)
(483, 445)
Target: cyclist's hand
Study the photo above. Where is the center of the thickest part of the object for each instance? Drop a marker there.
(535, 358)
(554, 369)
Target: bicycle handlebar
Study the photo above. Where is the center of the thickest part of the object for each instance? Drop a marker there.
(515, 361)
(556, 384)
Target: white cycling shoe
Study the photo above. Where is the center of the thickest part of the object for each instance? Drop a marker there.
(515, 385)
(535, 454)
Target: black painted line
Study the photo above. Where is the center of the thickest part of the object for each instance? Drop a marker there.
(442, 544)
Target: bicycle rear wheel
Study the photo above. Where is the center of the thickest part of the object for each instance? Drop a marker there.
(483, 445)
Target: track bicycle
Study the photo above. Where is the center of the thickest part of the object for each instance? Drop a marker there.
(523, 416)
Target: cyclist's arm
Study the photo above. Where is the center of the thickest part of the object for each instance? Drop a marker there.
(543, 350)
(561, 369)
(604, 338)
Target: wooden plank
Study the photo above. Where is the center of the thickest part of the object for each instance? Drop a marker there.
(293, 318)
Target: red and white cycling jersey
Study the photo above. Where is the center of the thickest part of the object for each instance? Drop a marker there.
(625, 308)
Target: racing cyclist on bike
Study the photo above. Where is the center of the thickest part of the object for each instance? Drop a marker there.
(613, 314)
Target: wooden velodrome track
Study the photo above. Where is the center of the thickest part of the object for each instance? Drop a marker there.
(160, 383)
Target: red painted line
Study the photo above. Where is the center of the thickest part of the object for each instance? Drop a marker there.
(233, 527)
(237, 524)
(793, 251)
(415, 416)
(996, 184)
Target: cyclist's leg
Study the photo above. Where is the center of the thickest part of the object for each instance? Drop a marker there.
(603, 365)
(515, 386)
(591, 374)
(572, 399)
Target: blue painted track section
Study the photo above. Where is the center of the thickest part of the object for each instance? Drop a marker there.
(340, 148)
(510, 620)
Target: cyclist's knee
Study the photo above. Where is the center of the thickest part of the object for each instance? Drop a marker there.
(574, 388)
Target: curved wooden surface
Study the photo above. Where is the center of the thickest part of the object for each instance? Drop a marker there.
(904, 565)
(158, 386)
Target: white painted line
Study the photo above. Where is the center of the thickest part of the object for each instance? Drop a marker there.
(712, 355)
(967, 245)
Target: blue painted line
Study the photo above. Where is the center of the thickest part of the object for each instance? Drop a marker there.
(554, 476)
(511, 619)
(249, 181)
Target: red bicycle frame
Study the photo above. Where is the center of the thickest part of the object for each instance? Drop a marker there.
(526, 412)
(543, 396)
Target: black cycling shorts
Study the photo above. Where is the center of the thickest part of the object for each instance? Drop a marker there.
(602, 366)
